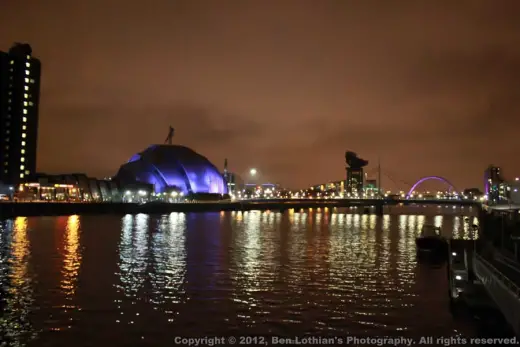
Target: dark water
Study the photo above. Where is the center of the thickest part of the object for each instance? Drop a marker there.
(142, 280)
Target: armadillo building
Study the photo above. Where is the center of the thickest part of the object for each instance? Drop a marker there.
(173, 167)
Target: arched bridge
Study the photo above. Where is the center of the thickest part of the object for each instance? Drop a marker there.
(427, 178)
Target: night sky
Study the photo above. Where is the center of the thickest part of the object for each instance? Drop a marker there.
(432, 87)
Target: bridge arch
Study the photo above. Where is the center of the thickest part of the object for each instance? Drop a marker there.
(427, 178)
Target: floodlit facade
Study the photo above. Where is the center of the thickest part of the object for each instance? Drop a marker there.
(168, 167)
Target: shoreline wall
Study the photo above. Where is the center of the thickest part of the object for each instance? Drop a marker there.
(59, 209)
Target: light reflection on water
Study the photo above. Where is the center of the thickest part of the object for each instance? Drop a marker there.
(16, 283)
(72, 257)
(306, 271)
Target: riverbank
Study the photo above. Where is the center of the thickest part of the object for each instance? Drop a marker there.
(57, 209)
(11, 209)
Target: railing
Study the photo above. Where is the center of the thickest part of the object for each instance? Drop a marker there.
(507, 260)
(494, 272)
(504, 292)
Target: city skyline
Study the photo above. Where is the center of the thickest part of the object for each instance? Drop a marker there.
(430, 89)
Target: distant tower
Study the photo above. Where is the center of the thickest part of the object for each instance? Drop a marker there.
(355, 175)
(226, 172)
(169, 138)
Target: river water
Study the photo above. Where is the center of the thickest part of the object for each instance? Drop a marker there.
(142, 280)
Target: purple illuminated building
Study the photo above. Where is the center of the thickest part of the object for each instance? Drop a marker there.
(173, 166)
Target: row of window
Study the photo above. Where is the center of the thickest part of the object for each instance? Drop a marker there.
(24, 119)
(24, 127)
(26, 64)
(22, 175)
(27, 71)
(22, 159)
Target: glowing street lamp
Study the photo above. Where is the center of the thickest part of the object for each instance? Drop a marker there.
(253, 172)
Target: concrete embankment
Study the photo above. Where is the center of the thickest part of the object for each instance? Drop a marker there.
(57, 209)
(12, 209)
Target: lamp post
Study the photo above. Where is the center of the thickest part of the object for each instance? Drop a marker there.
(252, 175)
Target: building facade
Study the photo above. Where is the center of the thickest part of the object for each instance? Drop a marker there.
(371, 188)
(514, 192)
(19, 99)
(355, 175)
(494, 186)
(355, 182)
(173, 166)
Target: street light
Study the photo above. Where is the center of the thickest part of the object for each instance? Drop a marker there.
(252, 172)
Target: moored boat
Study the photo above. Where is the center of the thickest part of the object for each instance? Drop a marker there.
(431, 241)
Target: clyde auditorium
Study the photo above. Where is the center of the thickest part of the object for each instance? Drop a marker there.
(173, 167)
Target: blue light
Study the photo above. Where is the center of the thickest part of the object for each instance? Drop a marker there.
(167, 166)
(135, 157)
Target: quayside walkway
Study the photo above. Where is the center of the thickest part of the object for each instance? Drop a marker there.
(497, 268)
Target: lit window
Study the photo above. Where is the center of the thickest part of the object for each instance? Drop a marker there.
(26, 95)
(32, 81)
(23, 143)
(26, 87)
(28, 57)
(30, 103)
(28, 64)
(5, 171)
(25, 103)
(24, 119)
(22, 167)
(21, 175)
(22, 151)
(23, 135)
(12, 62)
(27, 172)
(24, 111)
(6, 147)
(26, 80)
(27, 72)
(7, 131)
(6, 163)
(24, 127)
(22, 159)
(9, 100)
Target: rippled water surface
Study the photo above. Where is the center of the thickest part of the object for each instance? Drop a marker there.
(141, 280)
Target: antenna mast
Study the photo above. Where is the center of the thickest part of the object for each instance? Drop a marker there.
(379, 176)
(169, 138)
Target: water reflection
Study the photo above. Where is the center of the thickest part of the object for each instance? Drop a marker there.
(152, 268)
(169, 260)
(315, 271)
(15, 326)
(72, 255)
(132, 253)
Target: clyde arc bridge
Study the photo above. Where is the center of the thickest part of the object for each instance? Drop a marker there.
(414, 186)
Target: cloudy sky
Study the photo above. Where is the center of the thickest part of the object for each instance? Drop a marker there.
(285, 86)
